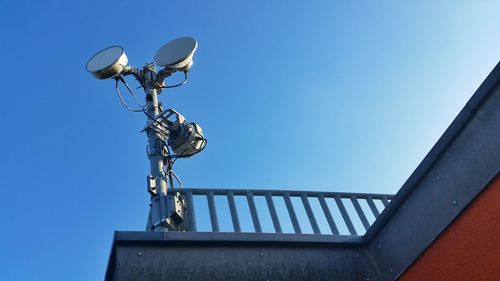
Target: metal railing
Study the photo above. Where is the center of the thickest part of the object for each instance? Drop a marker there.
(337, 200)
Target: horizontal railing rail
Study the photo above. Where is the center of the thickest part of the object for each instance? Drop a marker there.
(353, 218)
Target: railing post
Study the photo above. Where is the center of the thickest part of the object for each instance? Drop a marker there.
(374, 209)
(190, 211)
(253, 213)
(291, 212)
(345, 215)
(385, 201)
(310, 214)
(213, 212)
(234, 212)
(360, 212)
(328, 214)
(272, 211)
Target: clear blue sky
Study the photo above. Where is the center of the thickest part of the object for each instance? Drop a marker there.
(321, 95)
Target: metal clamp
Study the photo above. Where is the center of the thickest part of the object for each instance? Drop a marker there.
(152, 186)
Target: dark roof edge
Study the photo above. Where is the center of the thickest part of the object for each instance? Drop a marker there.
(148, 237)
(437, 150)
(110, 267)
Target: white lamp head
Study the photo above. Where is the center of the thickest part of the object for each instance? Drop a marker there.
(177, 54)
(107, 63)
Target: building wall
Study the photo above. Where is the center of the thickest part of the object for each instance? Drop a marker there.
(469, 249)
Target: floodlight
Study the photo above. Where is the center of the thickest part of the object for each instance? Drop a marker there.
(185, 138)
(177, 54)
(107, 63)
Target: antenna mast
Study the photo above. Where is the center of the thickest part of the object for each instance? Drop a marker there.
(164, 133)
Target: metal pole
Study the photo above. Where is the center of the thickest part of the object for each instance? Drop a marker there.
(154, 138)
(155, 158)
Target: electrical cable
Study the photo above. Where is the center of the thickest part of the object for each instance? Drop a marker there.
(169, 173)
(177, 85)
(163, 150)
(177, 178)
(162, 134)
(121, 98)
(130, 91)
(162, 87)
(152, 118)
(136, 100)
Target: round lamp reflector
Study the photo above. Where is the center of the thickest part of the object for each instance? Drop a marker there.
(177, 54)
(107, 63)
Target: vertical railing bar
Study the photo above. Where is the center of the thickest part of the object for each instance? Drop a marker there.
(190, 211)
(213, 212)
(328, 214)
(291, 213)
(360, 212)
(310, 214)
(234, 212)
(385, 201)
(374, 209)
(272, 211)
(253, 213)
(345, 215)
